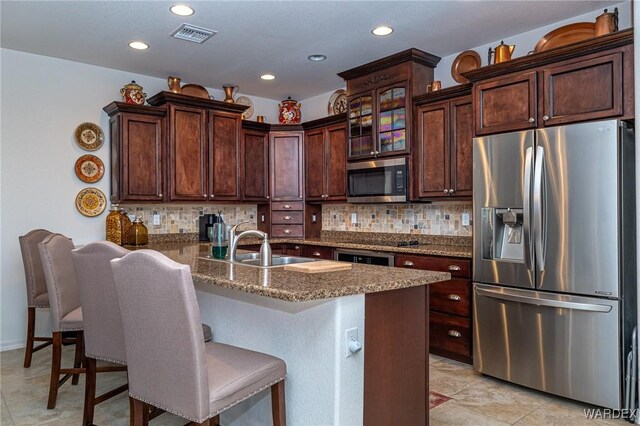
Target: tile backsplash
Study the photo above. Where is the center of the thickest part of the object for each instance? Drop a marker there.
(184, 219)
(427, 219)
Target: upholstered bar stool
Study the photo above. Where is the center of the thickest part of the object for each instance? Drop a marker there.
(170, 367)
(37, 296)
(103, 334)
(66, 313)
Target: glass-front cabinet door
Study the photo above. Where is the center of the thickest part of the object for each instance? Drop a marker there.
(361, 138)
(392, 120)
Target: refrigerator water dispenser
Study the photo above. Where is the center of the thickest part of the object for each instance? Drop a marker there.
(502, 234)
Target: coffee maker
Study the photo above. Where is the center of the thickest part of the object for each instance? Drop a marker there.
(206, 223)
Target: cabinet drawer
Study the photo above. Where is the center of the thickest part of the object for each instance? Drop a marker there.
(451, 297)
(283, 205)
(449, 334)
(285, 217)
(456, 267)
(286, 231)
(317, 252)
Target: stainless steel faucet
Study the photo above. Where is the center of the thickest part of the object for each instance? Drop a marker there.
(265, 248)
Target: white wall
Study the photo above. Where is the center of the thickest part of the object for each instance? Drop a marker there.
(526, 42)
(317, 106)
(43, 100)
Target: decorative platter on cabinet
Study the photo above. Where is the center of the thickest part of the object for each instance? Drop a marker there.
(243, 100)
(468, 60)
(338, 102)
(567, 34)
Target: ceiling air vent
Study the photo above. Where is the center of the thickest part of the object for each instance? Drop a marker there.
(194, 34)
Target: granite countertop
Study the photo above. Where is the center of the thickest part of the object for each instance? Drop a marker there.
(288, 285)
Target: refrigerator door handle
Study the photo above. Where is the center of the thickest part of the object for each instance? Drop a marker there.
(526, 208)
(590, 307)
(537, 207)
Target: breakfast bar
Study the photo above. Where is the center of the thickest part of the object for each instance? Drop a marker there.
(309, 320)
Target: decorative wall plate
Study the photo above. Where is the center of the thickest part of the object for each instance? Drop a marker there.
(194, 90)
(91, 202)
(466, 61)
(243, 100)
(338, 102)
(567, 34)
(89, 136)
(89, 168)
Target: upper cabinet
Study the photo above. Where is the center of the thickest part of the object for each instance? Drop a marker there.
(380, 95)
(255, 155)
(225, 167)
(325, 159)
(136, 135)
(286, 150)
(443, 159)
(590, 80)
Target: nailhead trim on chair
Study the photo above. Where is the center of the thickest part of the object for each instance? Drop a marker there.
(102, 358)
(210, 414)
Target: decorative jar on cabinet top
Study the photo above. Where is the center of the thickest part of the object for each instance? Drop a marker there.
(132, 93)
(289, 112)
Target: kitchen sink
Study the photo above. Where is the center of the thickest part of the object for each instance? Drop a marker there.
(278, 261)
(242, 257)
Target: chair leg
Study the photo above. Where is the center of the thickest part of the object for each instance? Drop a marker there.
(278, 410)
(77, 362)
(215, 420)
(56, 359)
(31, 327)
(89, 392)
(207, 422)
(138, 412)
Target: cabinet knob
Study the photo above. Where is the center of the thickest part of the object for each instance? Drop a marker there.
(160, 195)
(204, 195)
(299, 196)
(451, 191)
(407, 263)
(531, 120)
(286, 231)
(286, 206)
(316, 253)
(267, 197)
(373, 153)
(453, 268)
(545, 117)
(296, 247)
(454, 297)
(446, 191)
(287, 218)
(454, 333)
(212, 195)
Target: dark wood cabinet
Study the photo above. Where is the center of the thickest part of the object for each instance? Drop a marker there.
(225, 167)
(317, 252)
(450, 324)
(136, 135)
(589, 80)
(379, 102)
(325, 159)
(255, 149)
(286, 152)
(444, 139)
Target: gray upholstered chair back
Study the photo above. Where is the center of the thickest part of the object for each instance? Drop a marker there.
(33, 272)
(165, 351)
(103, 333)
(55, 253)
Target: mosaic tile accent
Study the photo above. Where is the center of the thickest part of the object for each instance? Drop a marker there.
(427, 219)
(184, 219)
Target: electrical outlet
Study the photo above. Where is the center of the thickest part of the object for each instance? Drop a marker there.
(156, 219)
(354, 218)
(352, 344)
(465, 219)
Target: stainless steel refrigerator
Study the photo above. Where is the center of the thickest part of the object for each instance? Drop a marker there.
(554, 258)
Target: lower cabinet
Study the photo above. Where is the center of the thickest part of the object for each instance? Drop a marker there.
(449, 305)
(317, 252)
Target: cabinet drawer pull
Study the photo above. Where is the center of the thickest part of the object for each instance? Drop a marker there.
(316, 253)
(408, 263)
(454, 297)
(287, 231)
(286, 206)
(296, 247)
(454, 268)
(287, 218)
(454, 333)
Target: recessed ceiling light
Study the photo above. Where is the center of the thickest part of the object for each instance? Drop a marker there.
(382, 30)
(268, 77)
(182, 10)
(138, 45)
(317, 58)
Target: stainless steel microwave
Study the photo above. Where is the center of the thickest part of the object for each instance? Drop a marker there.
(378, 181)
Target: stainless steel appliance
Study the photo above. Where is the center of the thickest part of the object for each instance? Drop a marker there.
(378, 181)
(554, 260)
(364, 256)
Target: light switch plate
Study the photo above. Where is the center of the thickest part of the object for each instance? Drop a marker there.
(354, 218)
(156, 219)
(465, 219)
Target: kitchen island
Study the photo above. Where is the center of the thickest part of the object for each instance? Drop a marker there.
(304, 318)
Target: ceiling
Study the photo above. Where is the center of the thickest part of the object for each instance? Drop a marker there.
(256, 37)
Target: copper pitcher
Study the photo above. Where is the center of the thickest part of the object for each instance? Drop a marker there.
(174, 84)
(501, 53)
(607, 23)
(228, 93)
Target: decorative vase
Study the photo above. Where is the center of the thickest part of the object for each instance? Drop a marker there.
(174, 84)
(139, 234)
(289, 111)
(114, 225)
(228, 93)
(132, 93)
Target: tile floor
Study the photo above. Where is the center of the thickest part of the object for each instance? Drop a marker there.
(474, 399)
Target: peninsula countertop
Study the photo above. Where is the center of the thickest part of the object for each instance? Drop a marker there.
(291, 286)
